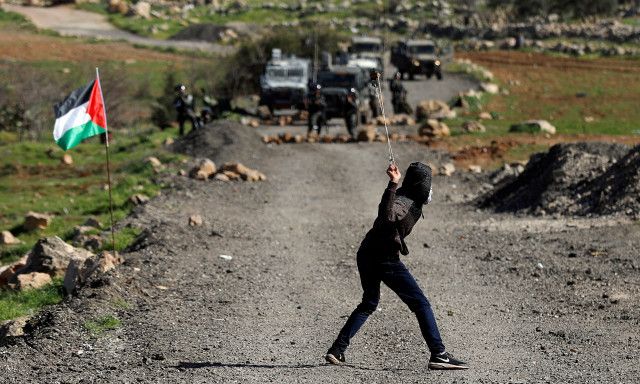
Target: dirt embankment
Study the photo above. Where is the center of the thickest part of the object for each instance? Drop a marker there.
(574, 179)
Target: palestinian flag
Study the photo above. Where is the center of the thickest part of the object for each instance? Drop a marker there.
(80, 116)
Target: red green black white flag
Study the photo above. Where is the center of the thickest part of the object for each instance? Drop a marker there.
(80, 116)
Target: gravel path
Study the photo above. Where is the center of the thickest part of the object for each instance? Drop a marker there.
(74, 22)
(269, 314)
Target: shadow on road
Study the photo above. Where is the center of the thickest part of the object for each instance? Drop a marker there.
(197, 365)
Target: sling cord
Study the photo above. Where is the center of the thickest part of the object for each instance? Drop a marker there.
(384, 117)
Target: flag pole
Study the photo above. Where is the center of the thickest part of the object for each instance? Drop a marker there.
(106, 143)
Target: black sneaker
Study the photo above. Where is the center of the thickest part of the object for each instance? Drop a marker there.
(335, 357)
(446, 361)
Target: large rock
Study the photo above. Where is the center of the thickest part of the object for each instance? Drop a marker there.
(367, 134)
(434, 128)
(204, 169)
(139, 199)
(155, 163)
(32, 280)
(34, 220)
(473, 126)
(118, 6)
(434, 109)
(245, 173)
(51, 255)
(7, 271)
(14, 327)
(534, 126)
(447, 169)
(7, 238)
(79, 271)
(490, 88)
(142, 9)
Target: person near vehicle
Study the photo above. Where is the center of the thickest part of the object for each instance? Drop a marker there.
(399, 96)
(184, 104)
(351, 112)
(378, 261)
(374, 104)
(316, 107)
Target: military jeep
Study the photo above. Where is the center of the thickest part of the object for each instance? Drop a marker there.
(417, 57)
(367, 52)
(284, 82)
(336, 84)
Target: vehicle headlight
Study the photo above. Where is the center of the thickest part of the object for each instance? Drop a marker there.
(437, 63)
(416, 63)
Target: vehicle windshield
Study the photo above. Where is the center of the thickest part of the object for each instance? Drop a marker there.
(337, 80)
(422, 49)
(366, 47)
(284, 73)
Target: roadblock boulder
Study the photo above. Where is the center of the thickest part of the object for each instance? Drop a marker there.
(433, 109)
(35, 220)
(79, 271)
(434, 128)
(367, 134)
(245, 173)
(203, 169)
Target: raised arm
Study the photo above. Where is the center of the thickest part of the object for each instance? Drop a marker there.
(385, 209)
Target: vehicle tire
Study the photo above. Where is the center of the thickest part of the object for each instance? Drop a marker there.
(411, 76)
(439, 75)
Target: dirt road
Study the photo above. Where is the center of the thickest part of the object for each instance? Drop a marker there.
(74, 22)
(499, 285)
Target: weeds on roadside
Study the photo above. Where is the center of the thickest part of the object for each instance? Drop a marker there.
(20, 303)
(102, 324)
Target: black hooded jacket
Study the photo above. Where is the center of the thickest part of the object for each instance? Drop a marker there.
(399, 210)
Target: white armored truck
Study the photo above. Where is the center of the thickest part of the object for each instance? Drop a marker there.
(283, 86)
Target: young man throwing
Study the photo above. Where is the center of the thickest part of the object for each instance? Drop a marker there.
(379, 261)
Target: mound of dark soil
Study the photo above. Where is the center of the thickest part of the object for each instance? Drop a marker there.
(563, 181)
(223, 141)
(615, 191)
(201, 32)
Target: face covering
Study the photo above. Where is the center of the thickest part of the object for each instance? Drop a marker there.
(417, 184)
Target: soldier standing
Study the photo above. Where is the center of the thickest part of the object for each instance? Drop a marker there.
(351, 113)
(185, 108)
(399, 95)
(316, 107)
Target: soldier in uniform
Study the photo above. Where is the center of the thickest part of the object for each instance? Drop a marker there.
(185, 108)
(316, 107)
(351, 113)
(399, 96)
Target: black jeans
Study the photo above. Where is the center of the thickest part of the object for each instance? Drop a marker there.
(396, 276)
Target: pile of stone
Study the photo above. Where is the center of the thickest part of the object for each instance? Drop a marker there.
(205, 169)
(50, 258)
(536, 28)
(368, 134)
(584, 179)
(567, 47)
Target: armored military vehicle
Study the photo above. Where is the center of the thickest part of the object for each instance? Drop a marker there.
(417, 57)
(336, 85)
(284, 82)
(367, 52)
